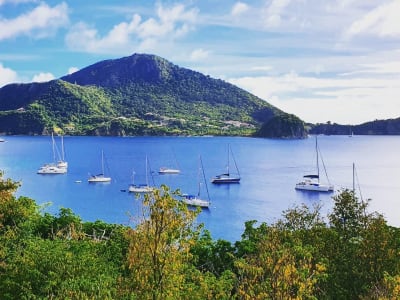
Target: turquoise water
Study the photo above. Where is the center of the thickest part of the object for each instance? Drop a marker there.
(269, 168)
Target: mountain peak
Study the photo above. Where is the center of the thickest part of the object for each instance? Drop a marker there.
(114, 72)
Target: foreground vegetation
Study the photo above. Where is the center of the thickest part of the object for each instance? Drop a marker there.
(354, 255)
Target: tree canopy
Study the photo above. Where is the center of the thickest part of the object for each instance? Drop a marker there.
(167, 255)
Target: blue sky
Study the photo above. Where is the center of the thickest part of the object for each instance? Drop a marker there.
(334, 60)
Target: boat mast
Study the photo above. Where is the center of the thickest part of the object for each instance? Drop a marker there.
(176, 160)
(204, 178)
(198, 177)
(147, 179)
(316, 150)
(228, 157)
(62, 148)
(54, 147)
(234, 160)
(354, 189)
(102, 162)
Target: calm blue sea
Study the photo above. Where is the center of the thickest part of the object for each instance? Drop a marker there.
(269, 168)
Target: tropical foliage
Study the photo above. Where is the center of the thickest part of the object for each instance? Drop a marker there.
(167, 255)
(283, 126)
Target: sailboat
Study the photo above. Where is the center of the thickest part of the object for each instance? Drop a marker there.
(100, 177)
(228, 177)
(141, 188)
(196, 200)
(62, 163)
(168, 170)
(53, 168)
(311, 182)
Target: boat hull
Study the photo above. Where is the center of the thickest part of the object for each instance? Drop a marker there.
(140, 189)
(168, 171)
(314, 187)
(224, 179)
(51, 170)
(194, 201)
(99, 179)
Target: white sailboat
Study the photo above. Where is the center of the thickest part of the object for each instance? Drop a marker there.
(228, 177)
(62, 163)
(196, 200)
(168, 170)
(311, 182)
(100, 177)
(141, 188)
(53, 168)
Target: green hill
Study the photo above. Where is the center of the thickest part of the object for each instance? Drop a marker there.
(377, 127)
(138, 95)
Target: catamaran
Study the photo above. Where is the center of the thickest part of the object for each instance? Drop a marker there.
(60, 167)
(62, 163)
(311, 182)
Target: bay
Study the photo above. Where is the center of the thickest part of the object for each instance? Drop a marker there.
(269, 168)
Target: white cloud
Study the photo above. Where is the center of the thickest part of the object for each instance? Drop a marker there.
(72, 70)
(40, 22)
(173, 22)
(239, 8)
(176, 13)
(274, 12)
(199, 54)
(377, 68)
(383, 21)
(262, 68)
(352, 100)
(43, 77)
(7, 75)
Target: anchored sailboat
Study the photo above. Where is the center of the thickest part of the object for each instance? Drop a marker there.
(196, 200)
(100, 177)
(228, 177)
(311, 182)
(62, 163)
(141, 188)
(168, 170)
(60, 167)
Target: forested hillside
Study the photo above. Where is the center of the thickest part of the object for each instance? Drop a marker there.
(377, 127)
(137, 95)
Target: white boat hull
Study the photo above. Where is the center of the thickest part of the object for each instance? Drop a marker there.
(99, 179)
(140, 189)
(194, 201)
(314, 187)
(50, 169)
(168, 171)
